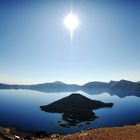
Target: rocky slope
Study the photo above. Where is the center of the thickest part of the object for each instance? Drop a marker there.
(117, 133)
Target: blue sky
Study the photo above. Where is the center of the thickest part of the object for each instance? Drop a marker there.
(35, 46)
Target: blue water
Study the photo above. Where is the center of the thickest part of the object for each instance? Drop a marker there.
(21, 109)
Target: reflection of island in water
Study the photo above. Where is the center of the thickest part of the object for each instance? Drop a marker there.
(75, 108)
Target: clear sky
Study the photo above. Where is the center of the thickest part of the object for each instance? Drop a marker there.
(35, 46)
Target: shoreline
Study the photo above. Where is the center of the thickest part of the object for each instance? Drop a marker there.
(129, 132)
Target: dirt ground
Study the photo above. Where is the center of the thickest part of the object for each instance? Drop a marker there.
(115, 133)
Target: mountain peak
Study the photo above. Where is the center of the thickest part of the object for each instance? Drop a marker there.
(58, 82)
(122, 80)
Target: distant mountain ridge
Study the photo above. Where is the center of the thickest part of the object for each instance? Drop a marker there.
(125, 87)
(122, 87)
(57, 86)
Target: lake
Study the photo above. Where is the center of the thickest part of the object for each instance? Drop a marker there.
(21, 109)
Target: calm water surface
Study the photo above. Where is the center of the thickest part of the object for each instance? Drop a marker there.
(21, 108)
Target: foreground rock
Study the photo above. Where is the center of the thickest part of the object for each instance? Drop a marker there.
(75, 107)
(7, 133)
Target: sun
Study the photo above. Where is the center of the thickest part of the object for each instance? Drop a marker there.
(71, 21)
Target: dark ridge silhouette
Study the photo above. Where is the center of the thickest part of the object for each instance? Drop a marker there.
(125, 88)
(55, 87)
(45, 87)
(6, 86)
(120, 88)
(75, 107)
(96, 85)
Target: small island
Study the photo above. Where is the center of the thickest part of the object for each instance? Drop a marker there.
(75, 108)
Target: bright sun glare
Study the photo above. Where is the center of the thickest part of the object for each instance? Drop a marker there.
(71, 22)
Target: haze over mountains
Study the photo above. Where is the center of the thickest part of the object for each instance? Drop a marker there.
(121, 88)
